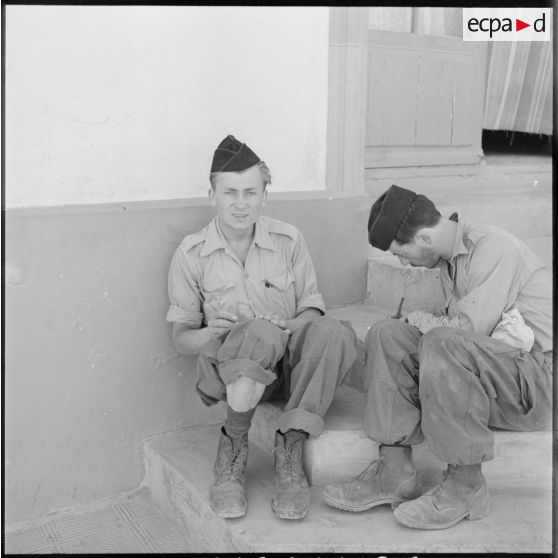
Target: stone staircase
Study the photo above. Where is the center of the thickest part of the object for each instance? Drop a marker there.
(179, 472)
(178, 465)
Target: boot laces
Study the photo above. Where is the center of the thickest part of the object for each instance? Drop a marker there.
(373, 469)
(286, 457)
(446, 476)
(234, 467)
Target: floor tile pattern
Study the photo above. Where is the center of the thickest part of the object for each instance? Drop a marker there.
(133, 524)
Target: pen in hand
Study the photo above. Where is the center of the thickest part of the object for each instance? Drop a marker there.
(397, 315)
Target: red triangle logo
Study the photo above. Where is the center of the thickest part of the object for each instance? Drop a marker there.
(519, 25)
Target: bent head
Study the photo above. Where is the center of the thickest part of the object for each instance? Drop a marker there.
(406, 224)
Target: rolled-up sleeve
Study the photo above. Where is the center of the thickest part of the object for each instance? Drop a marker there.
(306, 284)
(495, 277)
(184, 293)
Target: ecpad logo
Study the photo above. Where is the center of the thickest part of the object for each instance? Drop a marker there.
(494, 24)
(507, 24)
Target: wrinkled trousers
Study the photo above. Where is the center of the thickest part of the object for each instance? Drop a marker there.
(304, 368)
(449, 387)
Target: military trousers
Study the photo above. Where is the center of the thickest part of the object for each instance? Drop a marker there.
(304, 369)
(450, 387)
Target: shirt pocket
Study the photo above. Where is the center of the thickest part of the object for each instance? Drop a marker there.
(218, 296)
(279, 293)
(280, 282)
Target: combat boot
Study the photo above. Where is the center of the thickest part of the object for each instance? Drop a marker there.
(291, 499)
(462, 494)
(227, 495)
(391, 479)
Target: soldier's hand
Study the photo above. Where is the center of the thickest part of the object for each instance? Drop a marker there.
(275, 320)
(221, 323)
(423, 321)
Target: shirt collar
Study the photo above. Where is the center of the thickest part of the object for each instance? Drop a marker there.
(458, 245)
(262, 237)
(214, 239)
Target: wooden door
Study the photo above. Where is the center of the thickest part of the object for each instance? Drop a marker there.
(424, 102)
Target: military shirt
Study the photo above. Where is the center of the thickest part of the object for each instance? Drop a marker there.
(490, 272)
(206, 276)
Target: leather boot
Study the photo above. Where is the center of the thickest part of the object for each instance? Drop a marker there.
(227, 495)
(391, 479)
(462, 494)
(291, 499)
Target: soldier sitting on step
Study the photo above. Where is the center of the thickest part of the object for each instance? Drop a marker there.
(487, 362)
(243, 295)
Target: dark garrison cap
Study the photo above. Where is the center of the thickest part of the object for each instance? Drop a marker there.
(233, 156)
(389, 210)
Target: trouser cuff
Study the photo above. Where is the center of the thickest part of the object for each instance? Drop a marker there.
(299, 419)
(230, 371)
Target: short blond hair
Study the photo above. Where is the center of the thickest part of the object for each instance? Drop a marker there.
(264, 171)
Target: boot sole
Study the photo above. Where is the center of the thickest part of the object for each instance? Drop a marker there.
(288, 515)
(231, 514)
(472, 515)
(362, 507)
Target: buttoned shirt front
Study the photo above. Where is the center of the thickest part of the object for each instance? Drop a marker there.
(490, 272)
(206, 276)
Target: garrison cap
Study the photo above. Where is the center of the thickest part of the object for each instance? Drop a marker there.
(386, 215)
(233, 156)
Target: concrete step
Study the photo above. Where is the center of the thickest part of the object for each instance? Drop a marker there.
(343, 450)
(516, 174)
(543, 247)
(178, 473)
(526, 215)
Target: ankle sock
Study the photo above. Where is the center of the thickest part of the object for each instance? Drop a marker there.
(238, 423)
(295, 434)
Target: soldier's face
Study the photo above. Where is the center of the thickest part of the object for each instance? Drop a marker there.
(416, 253)
(238, 198)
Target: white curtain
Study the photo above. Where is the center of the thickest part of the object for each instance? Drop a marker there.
(519, 87)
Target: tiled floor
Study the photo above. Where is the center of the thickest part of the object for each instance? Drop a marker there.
(132, 524)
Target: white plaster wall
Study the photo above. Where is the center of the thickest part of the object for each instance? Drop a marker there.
(127, 103)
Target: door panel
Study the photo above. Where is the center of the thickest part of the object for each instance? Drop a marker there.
(425, 99)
